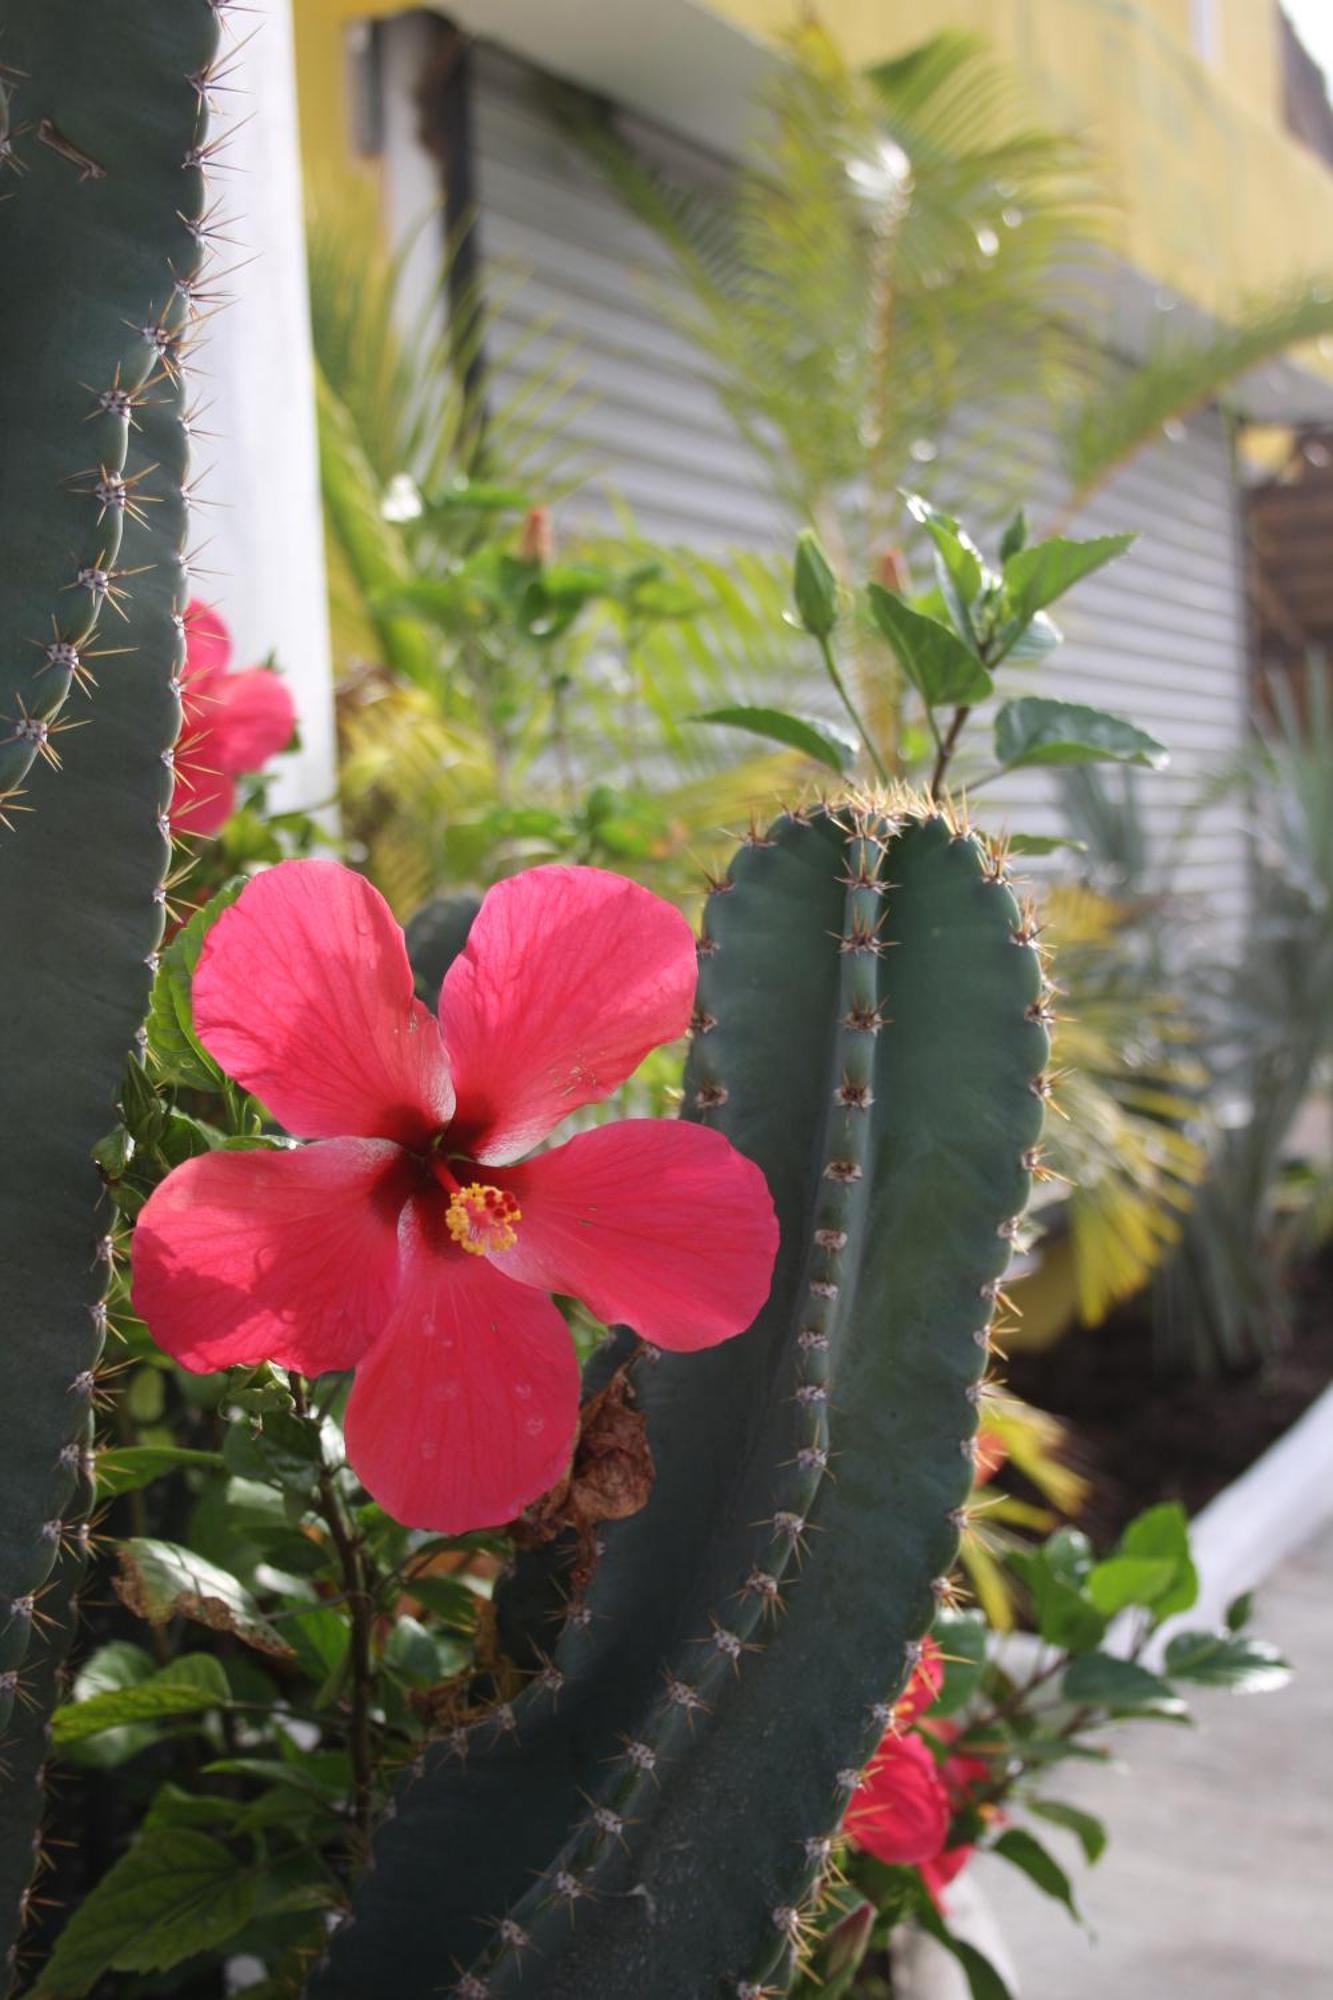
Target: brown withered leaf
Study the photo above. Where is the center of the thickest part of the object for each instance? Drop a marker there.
(160, 1580)
(610, 1476)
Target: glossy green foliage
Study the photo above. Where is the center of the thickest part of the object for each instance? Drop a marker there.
(100, 237)
(654, 1812)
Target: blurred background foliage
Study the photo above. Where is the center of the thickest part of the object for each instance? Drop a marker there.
(513, 691)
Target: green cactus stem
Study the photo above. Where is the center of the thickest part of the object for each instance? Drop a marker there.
(101, 236)
(655, 1813)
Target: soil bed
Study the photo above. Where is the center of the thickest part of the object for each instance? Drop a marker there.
(1142, 1436)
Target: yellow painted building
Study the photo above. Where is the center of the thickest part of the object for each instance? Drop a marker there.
(1183, 100)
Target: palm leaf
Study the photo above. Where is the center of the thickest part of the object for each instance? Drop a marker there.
(1128, 411)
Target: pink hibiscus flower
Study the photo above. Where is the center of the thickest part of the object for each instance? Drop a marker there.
(229, 723)
(411, 1240)
(903, 1807)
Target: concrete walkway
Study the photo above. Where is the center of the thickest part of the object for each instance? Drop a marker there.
(1218, 1880)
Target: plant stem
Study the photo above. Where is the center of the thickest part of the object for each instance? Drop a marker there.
(947, 748)
(831, 668)
(361, 1610)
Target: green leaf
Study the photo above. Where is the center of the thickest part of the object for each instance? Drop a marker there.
(1064, 1616)
(412, 1651)
(958, 564)
(945, 672)
(1240, 1611)
(160, 1581)
(1014, 537)
(1227, 1660)
(961, 1637)
(1036, 576)
(283, 1450)
(1024, 1851)
(1034, 730)
(195, 1681)
(1125, 1580)
(1162, 1533)
(818, 740)
(1045, 843)
(1100, 1680)
(983, 1981)
(180, 1056)
(1088, 1830)
(126, 1468)
(176, 1892)
(814, 586)
(1030, 643)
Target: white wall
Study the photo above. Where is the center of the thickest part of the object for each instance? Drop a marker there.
(258, 534)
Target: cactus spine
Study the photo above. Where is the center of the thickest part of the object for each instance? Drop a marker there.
(655, 1811)
(102, 143)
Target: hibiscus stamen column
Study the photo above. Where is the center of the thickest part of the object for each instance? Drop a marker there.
(653, 1814)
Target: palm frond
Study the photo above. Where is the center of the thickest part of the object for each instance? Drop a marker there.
(890, 247)
(1124, 413)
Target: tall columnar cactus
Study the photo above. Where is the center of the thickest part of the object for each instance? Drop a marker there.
(653, 1813)
(102, 227)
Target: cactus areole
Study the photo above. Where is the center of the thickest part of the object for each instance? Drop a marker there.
(412, 1240)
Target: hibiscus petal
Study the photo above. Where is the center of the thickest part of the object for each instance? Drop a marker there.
(273, 1256)
(253, 720)
(465, 1409)
(900, 1810)
(661, 1225)
(207, 642)
(568, 978)
(304, 994)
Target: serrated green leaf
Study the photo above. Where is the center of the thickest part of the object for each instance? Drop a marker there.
(1162, 1533)
(1064, 1616)
(1085, 1826)
(179, 1055)
(819, 740)
(283, 1450)
(1227, 1660)
(161, 1580)
(1033, 730)
(126, 1468)
(1014, 537)
(176, 1892)
(1024, 1851)
(943, 670)
(1038, 575)
(1124, 1580)
(1101, 1680)
(193, 1682)
(958, 564)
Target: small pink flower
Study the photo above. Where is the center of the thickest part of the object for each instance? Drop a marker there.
(903, 1807)
(422, 1249)
(229, 723)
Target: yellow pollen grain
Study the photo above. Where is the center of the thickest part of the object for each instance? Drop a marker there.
(482, 1218)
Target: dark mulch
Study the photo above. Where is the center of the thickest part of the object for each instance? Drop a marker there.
(1142, 1436)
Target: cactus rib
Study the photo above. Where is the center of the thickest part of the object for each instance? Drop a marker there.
(656, 1809)
(103, 267)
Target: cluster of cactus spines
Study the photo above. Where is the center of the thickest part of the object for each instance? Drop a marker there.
(657, 1811)
(101, 237)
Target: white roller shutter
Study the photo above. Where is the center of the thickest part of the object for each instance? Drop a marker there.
(1160, 636)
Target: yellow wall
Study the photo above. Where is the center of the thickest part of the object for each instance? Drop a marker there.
(1211, 196)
